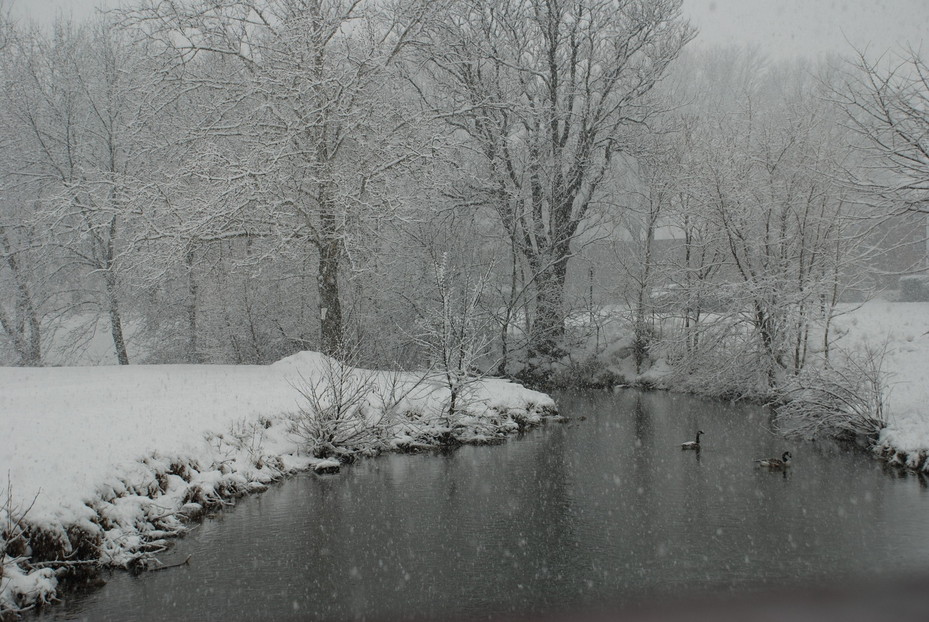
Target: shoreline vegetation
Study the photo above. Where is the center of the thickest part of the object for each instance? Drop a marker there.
(183, 441)
(868, 387)
(63, 524)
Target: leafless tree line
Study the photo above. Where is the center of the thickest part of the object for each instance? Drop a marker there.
(236, 180)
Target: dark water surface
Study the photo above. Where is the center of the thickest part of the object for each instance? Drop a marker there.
(595, 513)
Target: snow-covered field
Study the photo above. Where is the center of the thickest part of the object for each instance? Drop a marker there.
(901, 329)
(106, 462)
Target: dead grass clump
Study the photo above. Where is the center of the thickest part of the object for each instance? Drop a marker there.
(46, 545)
(184, 470)
(85, 545)
(204, 498)
(229, 489)
(917, 461)
(71, 545)
(275, 463)
(14, 540)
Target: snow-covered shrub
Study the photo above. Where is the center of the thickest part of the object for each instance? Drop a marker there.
(21, 586)
(720, 357)
(454, 331)
(589, 372)
(392, 394)
(845, 400)
(243, 437)
(337, 417)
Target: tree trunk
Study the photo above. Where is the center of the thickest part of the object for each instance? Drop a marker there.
(641, 339)
(330, 308)
(109, 275)
(548, 328)
(767, 327)
(193, 347)
(116, 325)
(25, 333)
(510, 310)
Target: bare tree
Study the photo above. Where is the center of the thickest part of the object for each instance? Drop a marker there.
(653, 188)
(19, 318)
(72, 91)
(20, 315)
(453, 330)
(546, 93)
(886, 102)
(765, 224)
(301, 128)
(780, 218)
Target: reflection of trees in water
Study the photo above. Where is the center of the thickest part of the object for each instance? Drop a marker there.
(523, 495)
(645, 459)
(644, 531)
(552, 531)
(491, 521)
(644, 433)
(379, 538)
(641, 424)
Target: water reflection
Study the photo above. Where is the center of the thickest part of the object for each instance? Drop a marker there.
(604, 510)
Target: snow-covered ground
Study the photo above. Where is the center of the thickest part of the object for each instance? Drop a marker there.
(105, 462)
(901, 330)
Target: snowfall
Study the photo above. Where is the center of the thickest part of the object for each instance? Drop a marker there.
(901, 331)
(116, 460)
(106, 463)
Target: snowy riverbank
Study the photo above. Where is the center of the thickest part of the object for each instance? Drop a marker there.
(901, 329)
(105, 463)
(896, 332)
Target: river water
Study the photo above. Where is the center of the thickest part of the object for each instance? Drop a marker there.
(603, 511)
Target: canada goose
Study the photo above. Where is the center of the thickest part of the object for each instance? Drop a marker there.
(776, 463)
(693, 444)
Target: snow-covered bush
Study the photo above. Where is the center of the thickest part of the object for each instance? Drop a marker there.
(719, 357)
(845, 400)
(588, 372)
(21, 586)
(454, 330)
(336, 416)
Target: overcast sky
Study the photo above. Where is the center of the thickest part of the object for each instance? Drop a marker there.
(781, 28)
(810, 27)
